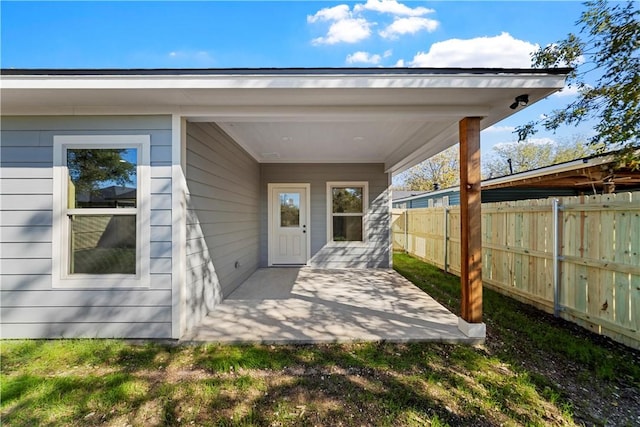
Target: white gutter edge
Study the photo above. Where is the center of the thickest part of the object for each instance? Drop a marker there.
(337, 81)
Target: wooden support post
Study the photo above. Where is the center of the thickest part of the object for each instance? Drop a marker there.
(470, 220)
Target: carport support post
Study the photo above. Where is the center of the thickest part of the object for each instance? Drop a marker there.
(470, 229)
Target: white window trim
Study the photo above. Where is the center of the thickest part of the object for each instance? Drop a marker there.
(365, 208)
(60, 229)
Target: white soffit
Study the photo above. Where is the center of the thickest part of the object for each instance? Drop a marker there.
(398, 117)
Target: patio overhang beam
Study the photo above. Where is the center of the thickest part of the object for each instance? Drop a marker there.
(332, 113)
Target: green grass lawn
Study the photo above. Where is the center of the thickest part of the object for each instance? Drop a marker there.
(113, 382)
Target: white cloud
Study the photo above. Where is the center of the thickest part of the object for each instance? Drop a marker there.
(409, 25)
(350, 30)
(569, 91)
(541, 141)
(501, 51)
(533, 141)
(400, 63)
(499, 129)
(392, 7)
(353, 25)
(363, 58)
(387, 53)
(344, 28)
(335, 13)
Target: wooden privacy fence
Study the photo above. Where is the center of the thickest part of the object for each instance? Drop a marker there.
(578, 257)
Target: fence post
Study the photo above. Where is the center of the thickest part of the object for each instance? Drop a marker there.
(446, 244)
(556, 256)
(406, 230)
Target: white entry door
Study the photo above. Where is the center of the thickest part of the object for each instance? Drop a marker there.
(288, 224)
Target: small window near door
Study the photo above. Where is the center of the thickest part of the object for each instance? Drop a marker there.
(347, 204)
(289, 209)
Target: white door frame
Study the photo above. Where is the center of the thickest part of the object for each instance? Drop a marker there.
(270, 234)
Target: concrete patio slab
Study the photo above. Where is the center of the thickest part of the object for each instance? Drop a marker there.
(306, 305)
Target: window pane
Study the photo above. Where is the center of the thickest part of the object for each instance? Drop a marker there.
(289, 209)
(347, 200)
(347, 228)
(102, 178)
(103, 244)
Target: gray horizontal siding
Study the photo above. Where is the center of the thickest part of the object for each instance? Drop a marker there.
(27, 186)
(25, 202)
(25, 250)
(26, 219)
(29, 155)
(160, 218)
(161, 185)
(222, 216)
(82, 298)
(161, 233)
(31, 308)
(160, 202)
(87, 330)
(39, 280)
(26, 172)
(160, 249)
(16, 234)
(31, 266)
(88, 314)
(373, 254)
(82, 124)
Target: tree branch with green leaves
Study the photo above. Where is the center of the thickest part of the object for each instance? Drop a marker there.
(607, 49)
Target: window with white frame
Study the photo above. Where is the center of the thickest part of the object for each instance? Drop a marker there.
(347, 204)
(101, 210)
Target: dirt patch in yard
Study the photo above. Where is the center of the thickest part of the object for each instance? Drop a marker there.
(593, 400)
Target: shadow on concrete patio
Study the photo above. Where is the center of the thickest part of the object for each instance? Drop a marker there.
(306, 305)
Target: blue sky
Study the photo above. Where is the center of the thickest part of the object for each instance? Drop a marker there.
(217, 34)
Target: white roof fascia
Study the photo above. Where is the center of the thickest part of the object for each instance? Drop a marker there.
(298, 81)
(271, 114)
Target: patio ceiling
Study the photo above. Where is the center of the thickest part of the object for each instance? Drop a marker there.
(398, 117)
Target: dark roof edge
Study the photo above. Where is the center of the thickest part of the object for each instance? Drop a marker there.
(270, 71)
(556, 165)
(488, 181)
